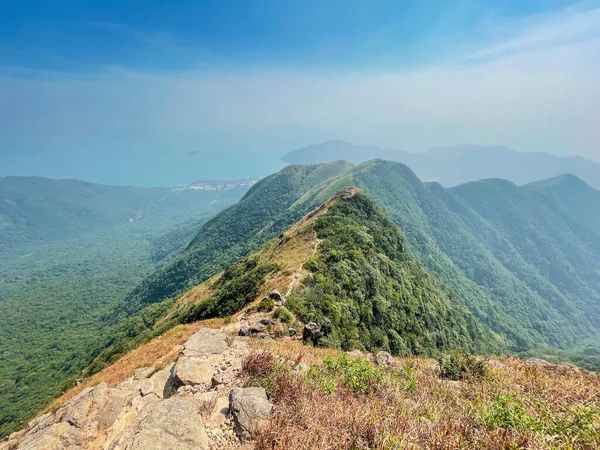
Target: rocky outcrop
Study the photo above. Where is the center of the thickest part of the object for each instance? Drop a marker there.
(185, 405)
(312, 333)
(384, 359)
(250, 409)
(174, 423)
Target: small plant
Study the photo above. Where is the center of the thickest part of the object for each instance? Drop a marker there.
(509, 413)
(228, 319)
(323, 382)
(359, 375)
(266, 304)
(457, 365)
(259, 364)
(283, 314)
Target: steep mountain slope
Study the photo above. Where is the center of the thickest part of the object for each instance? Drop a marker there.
(451, 166)
(481, 262)
(264, 212)
(247, 381)
(70, 252)
(344, 266)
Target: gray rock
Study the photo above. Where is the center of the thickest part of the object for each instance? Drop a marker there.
(312, 333)
(384, 359)
(59, 436)
(276, 295)
(265, 321)
(250, 410)
(172, 424)
(257, 328)
(244, 332)
(141, 373)
(162, 384)
(195, 371)
(206, 342)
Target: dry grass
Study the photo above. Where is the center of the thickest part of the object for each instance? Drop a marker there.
(159, 352)
(518, 406)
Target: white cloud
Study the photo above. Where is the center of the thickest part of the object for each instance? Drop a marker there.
(536, 90)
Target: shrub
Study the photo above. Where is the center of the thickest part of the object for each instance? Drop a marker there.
(509, 413)
(457, 365)
(266, 304)
(283, 314)
(358, 375)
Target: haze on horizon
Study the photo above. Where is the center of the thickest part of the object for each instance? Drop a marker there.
(164, 94)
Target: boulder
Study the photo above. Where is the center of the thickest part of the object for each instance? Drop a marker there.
(312, 333)
(172, 424)
(250, 410)
(141, 373)
(276, 295)
(384, 359)
(195, 371)
(162, 383)
(206, 342)
(244, 332)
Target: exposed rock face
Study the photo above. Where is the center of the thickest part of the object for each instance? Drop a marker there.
(312, 333)
(250, 409)
(206, 342)
(384, 359)
(174, 423)
(182, 406)
(162, 383)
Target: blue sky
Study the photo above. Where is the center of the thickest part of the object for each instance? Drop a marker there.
(149, 93)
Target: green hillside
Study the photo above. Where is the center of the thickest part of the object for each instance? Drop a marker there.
(368, 292)
(70, 252)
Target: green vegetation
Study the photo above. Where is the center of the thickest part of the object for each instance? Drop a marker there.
(283, 314)
(69, 254)
(456, 365)
(266, 305)
(366, 292)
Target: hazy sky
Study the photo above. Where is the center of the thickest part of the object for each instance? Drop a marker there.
(158, 93)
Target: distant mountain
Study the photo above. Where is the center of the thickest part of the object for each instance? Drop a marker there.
(451, 166)
(34, 209)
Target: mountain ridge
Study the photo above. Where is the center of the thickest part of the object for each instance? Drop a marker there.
(456, 165)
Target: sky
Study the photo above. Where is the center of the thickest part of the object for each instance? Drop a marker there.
(168, 92)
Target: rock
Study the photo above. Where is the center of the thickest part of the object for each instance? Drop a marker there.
(220, 378)
(384, 359)
(195, 371)
(206, 342)
(172, 424)
(265, 321)
(257, 328)
(312, 333)
(250, 410)
(55, 437)
(244, 332)
(141, 373)
(218, 416)
(162, 383)
(140, 402)
(291, 332)
(93, 410)
(276, 295)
